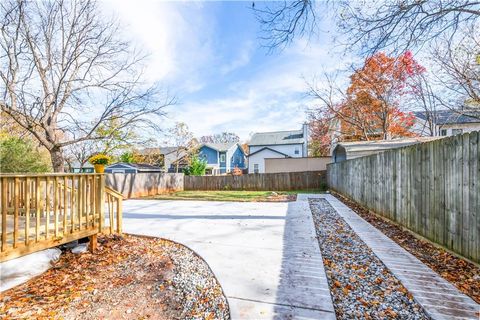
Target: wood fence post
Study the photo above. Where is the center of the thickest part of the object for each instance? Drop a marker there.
(100, 201)
(92, 244)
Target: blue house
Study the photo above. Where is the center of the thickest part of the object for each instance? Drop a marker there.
(222, 157)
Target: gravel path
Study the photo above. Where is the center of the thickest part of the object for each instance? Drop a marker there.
(360, 284)
(196, 287)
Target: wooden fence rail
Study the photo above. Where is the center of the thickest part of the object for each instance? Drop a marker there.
(45, 210)
(432, 189)
(307, 180)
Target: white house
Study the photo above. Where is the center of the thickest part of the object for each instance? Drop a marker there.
(279, 144)
(445, 123)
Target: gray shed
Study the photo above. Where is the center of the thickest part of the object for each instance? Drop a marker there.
(351, 150)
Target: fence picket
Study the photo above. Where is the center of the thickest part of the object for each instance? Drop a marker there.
(431, 188)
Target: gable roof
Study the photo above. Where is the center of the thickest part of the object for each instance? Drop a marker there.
(270, 149)
(450, 116)
(276, 138)
(221, 147)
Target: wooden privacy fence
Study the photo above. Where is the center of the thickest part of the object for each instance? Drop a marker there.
(133, 185)
(259, 182)
(433, 189)
(45, 210)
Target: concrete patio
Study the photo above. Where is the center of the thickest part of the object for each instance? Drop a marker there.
(267, 259)
(265, 255)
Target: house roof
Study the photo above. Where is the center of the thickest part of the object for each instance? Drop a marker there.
(276, 138)
(450, 116)
(139, 166)
(270, 149)
(219, 146)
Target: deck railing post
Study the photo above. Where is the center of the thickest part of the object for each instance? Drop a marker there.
(100, 203)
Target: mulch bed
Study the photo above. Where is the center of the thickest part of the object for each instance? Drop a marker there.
(128, 277)
(461, 273)
(362, 287)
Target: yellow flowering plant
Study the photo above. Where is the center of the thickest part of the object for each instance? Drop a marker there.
(100, 159)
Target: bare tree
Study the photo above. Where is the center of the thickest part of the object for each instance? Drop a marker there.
(224, 137)
(458, 70)
(283, 21)
(401, 25)
(182, 139)
(425, 99)
(65, 70)
(327, 115)
(114, 141)
(369, 25)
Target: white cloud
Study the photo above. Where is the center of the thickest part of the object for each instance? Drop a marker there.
(242, 59)
(181, 38)
(175, 35)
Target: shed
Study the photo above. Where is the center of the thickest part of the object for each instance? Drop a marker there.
(122, 167)
(87, 167)
(351, 150)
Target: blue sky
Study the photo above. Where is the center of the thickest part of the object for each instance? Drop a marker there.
(209, 55)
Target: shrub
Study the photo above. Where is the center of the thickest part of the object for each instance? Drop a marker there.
(19, 155)
(127, 157)
(196, 168)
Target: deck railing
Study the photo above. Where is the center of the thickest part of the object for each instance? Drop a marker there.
(40, 211)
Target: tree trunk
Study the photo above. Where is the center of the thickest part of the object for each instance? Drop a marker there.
(56, 155)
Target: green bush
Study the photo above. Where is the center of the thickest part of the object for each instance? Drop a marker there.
(196, 168)
(127, 157)
(19, 155)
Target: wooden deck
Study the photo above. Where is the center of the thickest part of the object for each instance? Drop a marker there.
(46, 210)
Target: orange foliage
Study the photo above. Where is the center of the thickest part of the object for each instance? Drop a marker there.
(237, 171)
(372, 107)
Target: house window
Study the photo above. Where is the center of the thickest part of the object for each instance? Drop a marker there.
(443, 132)
(297, 150)
(222, 157)
(255, 168)
(457, 131)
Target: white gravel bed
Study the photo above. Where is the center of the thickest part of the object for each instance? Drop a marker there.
(194, 283)
(361, 285)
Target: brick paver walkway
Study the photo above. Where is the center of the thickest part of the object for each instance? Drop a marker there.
(439, 298)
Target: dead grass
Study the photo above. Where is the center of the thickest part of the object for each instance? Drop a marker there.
(228, 195)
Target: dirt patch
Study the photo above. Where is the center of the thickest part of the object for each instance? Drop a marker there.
(126, 278)
(461, 273)
(276, 197)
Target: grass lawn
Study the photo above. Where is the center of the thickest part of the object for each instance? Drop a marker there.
(239, 196)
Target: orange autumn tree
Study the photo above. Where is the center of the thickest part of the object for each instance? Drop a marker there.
(371, 109)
